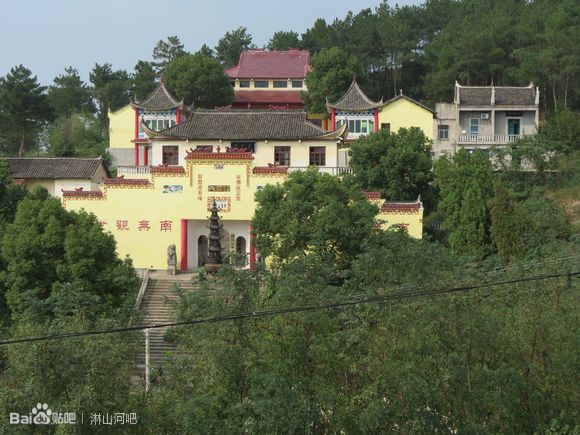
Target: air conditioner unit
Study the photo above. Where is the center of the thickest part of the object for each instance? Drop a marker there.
(485, 116)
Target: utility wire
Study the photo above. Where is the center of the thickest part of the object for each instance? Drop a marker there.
(296, 309)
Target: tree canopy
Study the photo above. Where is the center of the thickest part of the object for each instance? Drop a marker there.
(24, 110)
(199, 79)
(396, 164)
(333, 70)
(231, 45)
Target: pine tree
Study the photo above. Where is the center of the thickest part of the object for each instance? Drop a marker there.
(24, 110)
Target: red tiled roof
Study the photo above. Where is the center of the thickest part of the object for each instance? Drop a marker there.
(269, 97)
(402, 207)
(167, 170)
(83, 194)
(204, 155)
(270, 170)
(126, 181)
(290, 64)
(372, 195)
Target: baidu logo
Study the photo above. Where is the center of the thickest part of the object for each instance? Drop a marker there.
(41, 414)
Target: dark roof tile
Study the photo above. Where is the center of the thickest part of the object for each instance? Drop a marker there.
(53, 168)
(354, 100)
(245, 125)
(160, 99)
(504, 96)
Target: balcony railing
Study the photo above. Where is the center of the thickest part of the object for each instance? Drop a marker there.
(133, 170)
(146, 170)
(489, 138)
(332, 170)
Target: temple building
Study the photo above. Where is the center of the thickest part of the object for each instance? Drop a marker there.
(222, 156)
(270, 79)
(128, 141)
(364, 116)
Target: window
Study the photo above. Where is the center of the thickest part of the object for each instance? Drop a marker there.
(282, 156)
(513, 126)
(247, 147)
(297, 83)
(280, 84)
(386, 126)
(170, 155)
(360, 126)
(159, 124)
(261, 84)
(443, 132)
(474, 126)
(317, 156)
(244, 83)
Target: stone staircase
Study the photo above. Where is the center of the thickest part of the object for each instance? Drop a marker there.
(157, 309)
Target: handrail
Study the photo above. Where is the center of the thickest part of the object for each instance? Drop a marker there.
(144, 283)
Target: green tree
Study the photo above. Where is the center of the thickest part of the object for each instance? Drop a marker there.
(332, 73)
(465, 184)
(318, 37)
(61, 261)
(206, 51)
(166, 52)
(284, 40)
(76, 135)
(506, 226)
(339, 218)
(144, 80)
(24, 107)
(399, 165)
(112, 90)
(199, 79)
(231, 45)
(69, 94)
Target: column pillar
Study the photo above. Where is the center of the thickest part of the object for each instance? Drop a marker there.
(146, 155)
(178, 116)
(376, 128)
(136, 123)
(136, 154)
(183, 244)
(325, 124)
(333, 118)
(252, 249)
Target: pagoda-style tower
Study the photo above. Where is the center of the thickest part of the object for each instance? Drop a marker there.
(214, 259)
(355, 109)
(159, 111)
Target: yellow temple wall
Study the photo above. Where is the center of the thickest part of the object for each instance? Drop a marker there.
(413, 222)
(404, 113)
(122, 128)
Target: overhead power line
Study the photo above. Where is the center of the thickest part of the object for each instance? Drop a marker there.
(296, 309)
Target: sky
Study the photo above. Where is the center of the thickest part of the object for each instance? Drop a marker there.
(47, 36)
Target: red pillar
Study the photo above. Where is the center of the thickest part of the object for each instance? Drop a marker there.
(183, 244)
(136, 154)
(333, 119)
(178, 116)
(325, 124)
(376, 120)
(136, 123)
(146, 155)
(252, 249)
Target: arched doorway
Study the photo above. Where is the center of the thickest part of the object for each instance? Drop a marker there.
(241, 250)
(201, 250)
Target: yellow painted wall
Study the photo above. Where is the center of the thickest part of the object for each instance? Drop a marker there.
(404, 113)
(412, 222)
(124, 207)
(122, 128)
